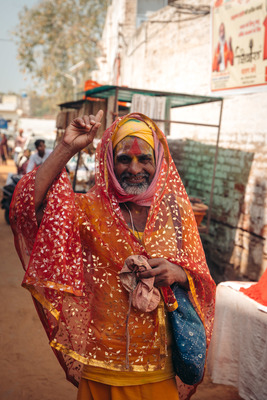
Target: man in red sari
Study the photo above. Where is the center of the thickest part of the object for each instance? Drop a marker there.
(78, 244)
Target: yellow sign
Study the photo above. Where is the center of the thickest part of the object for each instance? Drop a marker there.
(239, 44)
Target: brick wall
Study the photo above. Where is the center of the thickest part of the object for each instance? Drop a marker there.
(233, 226)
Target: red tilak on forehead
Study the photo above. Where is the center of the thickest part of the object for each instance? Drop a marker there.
(135, 149)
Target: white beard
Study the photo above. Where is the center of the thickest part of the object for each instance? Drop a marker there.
(134, 189)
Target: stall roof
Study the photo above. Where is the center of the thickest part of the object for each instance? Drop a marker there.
(126, 94)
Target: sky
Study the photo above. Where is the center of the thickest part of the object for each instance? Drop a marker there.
(11, 79)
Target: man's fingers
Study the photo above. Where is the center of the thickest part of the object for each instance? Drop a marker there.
(147, 274)
(154, 262)
(79, 122)
(92, 120)
(89, 121)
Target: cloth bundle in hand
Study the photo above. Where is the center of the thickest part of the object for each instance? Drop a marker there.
(144, 296)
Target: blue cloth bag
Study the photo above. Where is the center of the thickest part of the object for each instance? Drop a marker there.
(189, 339)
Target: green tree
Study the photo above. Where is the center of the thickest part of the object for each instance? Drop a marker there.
(55, 35)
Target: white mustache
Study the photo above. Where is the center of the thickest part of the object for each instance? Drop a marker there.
(126, 175)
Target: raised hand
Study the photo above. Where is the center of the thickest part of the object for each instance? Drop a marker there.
(81, 132)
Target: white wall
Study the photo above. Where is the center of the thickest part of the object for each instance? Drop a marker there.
(45, 127)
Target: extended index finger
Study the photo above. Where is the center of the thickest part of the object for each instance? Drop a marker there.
(99, 116)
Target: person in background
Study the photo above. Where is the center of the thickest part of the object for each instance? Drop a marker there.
(39, 157)
(3, 148)
(74, 246)
(19, 145)
(23, 161)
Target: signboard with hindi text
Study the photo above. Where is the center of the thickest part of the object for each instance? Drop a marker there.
(239, 44)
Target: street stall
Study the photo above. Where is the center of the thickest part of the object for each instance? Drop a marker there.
(116, 101)
(238, 350)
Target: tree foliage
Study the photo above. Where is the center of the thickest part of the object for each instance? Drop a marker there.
(55, 35)
(41, 106)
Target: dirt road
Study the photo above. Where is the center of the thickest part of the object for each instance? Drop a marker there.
(29, 369)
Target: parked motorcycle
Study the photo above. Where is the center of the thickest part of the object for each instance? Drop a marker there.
(8, 191)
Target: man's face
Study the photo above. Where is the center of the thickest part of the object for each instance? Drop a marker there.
(41, 149)
(134, 164)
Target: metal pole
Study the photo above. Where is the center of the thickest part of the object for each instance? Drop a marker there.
(185, 123)
(214, 168)
(115, 108)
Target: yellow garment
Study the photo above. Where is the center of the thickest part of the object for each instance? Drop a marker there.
(125, 378)
(133, 127)
(138, 235)
(165, 390)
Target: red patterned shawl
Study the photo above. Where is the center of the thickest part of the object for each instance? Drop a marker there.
(73, 259)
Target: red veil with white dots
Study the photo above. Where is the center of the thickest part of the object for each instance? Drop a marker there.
(73, 259)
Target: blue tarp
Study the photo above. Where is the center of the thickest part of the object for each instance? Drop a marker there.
(3, 123)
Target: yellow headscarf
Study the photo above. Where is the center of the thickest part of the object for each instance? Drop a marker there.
(133, 127)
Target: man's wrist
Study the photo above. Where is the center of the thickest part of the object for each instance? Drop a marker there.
(65, 150)
(183, 282)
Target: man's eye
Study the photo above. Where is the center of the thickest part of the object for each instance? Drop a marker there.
(145, 160)
(123, 159)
